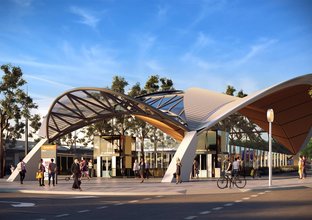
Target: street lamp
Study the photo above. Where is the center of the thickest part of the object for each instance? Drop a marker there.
(270, 118)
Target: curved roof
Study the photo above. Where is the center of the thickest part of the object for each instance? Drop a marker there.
(83, 106)
(176, 112)
(290, 101)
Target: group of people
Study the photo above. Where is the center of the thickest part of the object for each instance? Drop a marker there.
(141, 169)
(52, 171)
(232, 167)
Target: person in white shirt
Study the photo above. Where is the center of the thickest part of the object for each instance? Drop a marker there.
(21, 167)
(136, 168)
(236, 166)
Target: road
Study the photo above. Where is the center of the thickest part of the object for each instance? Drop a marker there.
(287, 203)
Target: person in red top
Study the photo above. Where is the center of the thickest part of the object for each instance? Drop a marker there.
(84, 168)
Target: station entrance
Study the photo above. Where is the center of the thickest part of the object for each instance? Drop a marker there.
(113, 155)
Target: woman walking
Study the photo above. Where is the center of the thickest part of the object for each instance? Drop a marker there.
(142, 169)
(41, 169)
(178, 171)
(300, 167)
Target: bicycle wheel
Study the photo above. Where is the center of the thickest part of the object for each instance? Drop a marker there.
(240, 182)
(222, 182)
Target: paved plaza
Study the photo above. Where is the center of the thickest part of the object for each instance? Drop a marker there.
(152, 186)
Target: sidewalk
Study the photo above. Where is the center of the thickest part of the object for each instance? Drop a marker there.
(151, 187)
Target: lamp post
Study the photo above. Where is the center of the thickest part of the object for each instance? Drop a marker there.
(270, 118)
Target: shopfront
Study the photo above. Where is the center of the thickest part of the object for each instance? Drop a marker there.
(113, 155)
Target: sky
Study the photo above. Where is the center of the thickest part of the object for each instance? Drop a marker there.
(64, 44)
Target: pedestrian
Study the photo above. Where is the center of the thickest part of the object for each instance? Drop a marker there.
(76, 171)
(12, 168)
(52, 171)
(304, 173)
(147, 167)
(142, 169)
(255, 166)
(41, 170)
(136, 168)
(225, 164)
(236, 167)
(178, 171)
(84, 168)
(90, 168)
(228, 167)
(195, 170)
(300, 167)
(21, 167)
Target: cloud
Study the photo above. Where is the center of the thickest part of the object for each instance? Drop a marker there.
(39, 64)
(162, 12)
(206, 8)
(23, 3)
(254, 51)
(154, 66)
(49, 81)
(86, 17)
(202, 41)
(43, 102)
(146, 42)
(199, 62)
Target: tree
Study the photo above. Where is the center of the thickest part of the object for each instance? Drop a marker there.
(166, 84)
(146, 130)
(135, 90)
(15, 106)
(307, 151)
(230, 90)
(151, 84)
(119, 84)
(241, 94)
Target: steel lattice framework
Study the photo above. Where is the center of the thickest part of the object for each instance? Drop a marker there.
(84, 106)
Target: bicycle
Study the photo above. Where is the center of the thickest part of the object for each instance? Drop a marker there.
(237, 180)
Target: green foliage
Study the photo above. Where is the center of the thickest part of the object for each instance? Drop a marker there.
(241, 94)
(135, 90)
(119, 84)
(151, 84)
(307, 151)
(230, 90)
(15, 107)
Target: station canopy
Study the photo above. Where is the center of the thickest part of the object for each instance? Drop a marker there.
(178, 112)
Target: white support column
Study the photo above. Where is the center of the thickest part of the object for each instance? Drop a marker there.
(31, 160)
(186, 153)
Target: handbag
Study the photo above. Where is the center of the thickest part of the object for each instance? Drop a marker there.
(39, 175)
(252, 172)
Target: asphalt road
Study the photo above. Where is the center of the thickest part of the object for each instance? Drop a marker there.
(285, 203)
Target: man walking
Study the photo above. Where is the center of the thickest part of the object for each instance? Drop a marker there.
(21, 167)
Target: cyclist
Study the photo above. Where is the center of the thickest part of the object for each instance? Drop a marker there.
(228, 166)
(228, 169)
